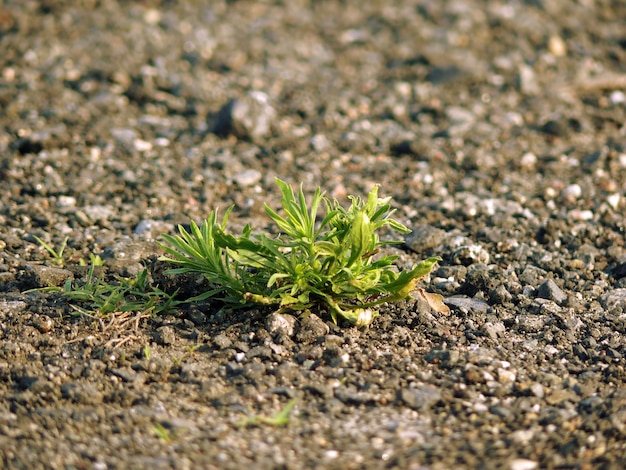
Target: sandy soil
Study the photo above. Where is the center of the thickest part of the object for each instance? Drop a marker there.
(497, 127)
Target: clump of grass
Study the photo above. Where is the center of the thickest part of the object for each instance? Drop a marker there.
(57, 255)
(331, 260)
(97, 297)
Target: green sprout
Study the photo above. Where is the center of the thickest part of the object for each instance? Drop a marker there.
(279, 419)
(330, 262)
(57, 256)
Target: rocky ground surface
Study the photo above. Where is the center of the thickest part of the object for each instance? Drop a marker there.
(496, 126)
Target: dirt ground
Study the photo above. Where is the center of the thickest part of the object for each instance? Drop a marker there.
(497, 127)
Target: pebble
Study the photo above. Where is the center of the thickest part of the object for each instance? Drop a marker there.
(419, 398)
(613, 299)
(281, 324)
(247, 177)
(152, 228)
(424, 237)
(249, 117)
(551, 291)
(614, 200)
(557, 46)
(470, 254)
(537, 390)
(45, 276)
(165, 335)
(506, 376)
(528, 161)
(310, 328)
(467, 304)
(66, 201)
(523, 464)
(12, 307)
(617, 97)
(527, 80)
(531, 323)
(572, 192)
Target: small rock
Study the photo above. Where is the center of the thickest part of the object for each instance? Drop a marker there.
(528, 161)
(505, 376)
(527, 80)
(419, 398)
(424, 237)
(494, 329)
(249, 117)
(523, 464)
(531, 323)
(127, 251)
(470, 254)
(150, 228)
(280, 324)
(12, 307)
(614, 299)
(39, 276)
(554, 128)
(467, 304)
(310, 328)
(222, 341)
(165, 336)
(557, 46)
(549, 290)
(44, 324)
(537, 390)
(571, 193)
(247, 177)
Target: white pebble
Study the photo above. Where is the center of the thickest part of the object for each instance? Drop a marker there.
(557, 46)
(523, 464)
(581, 215)
(247, 177)
(572, 192)
(506, 376)
(528, 161)
(617, 97)
(142, 145)
(66, 201)
(614, 200)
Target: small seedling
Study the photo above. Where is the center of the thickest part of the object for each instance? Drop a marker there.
(279, 419)
(125, 295)
(57, 256)
(161, 432)
(94, 260)
(333, 262)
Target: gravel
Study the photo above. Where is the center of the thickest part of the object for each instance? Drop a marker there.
(497, 128)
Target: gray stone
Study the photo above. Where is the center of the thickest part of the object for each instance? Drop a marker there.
(419, 398)
(280, 324)
(248, 117)
(247, 177)
(549, 290)
(470, 254)
(310, 328)
(165, 335)
(45, 276)
(612, 299)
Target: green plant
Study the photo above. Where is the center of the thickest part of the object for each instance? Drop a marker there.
(162, 432)
(57, 256)
(94, 260)
(124, 295)
(331, 262)
(279, 419)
